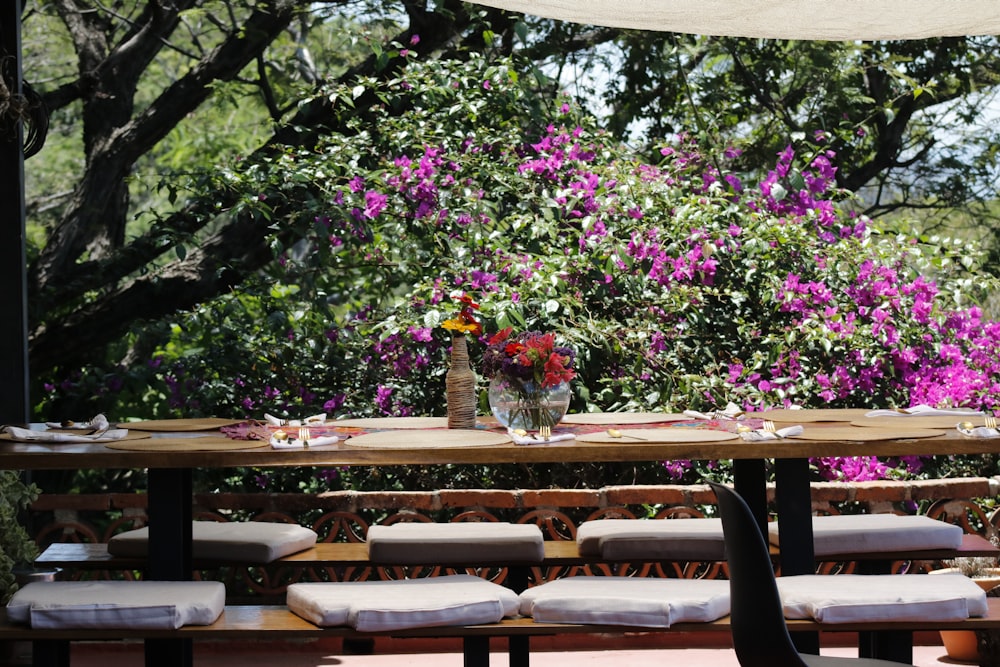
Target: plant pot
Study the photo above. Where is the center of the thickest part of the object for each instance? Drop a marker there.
(963, 645)
(525, 405)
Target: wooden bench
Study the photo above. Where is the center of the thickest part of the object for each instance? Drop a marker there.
(95, 556)
(277, 622)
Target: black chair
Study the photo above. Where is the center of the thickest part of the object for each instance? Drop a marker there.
(760, 636)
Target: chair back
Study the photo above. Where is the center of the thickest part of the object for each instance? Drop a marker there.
(760, 635)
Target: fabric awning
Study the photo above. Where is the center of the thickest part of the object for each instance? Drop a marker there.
(836, 20)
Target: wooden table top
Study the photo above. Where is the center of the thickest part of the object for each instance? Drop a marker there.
(53, 456)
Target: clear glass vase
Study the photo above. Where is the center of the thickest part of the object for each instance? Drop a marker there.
(525, 405)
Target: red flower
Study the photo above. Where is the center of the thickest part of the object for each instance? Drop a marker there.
(556, 371)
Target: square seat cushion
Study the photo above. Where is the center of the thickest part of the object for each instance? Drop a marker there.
(846, 598)
(652, 539)
(877, 533)
(464, 543)
(117, 604)
(630, 601)
(375, 606)
(237, 541)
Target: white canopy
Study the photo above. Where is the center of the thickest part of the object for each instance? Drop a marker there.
(778, 19)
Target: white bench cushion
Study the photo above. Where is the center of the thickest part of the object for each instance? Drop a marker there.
(117, 604)
(877, 533)
(652, 539)
(640, 602)
(458, 542)
(375, 606)
(843, 598)
(238, 541)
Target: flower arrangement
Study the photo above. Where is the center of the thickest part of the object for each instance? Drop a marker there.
(460, 381)
(529, 357)
(465, 322)
(530, 375)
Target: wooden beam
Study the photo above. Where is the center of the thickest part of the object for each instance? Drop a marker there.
(14, 400)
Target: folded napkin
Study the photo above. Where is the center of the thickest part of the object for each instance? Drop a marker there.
(977, 431)
(278, 421)
(535, 439)
(923, 411)
(26, 435)
(98, 423)
(732, 411)
(295, 443)
(761, 434)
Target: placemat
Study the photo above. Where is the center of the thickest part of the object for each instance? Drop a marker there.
(207, 444)
(602, 418)
(432, 439)
(930, 421)
(866, 434)
(181, 425)
(658, 435)
(131, 435)
(806, 416)
(393, 422)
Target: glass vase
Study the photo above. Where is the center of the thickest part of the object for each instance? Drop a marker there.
(526, 405)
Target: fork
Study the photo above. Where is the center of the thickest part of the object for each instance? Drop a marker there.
(990, 421)
(304, 435)
(545, 432)
(769, 426)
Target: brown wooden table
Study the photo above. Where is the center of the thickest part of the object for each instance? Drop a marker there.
(170, 486)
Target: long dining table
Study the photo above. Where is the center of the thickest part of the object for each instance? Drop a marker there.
(170, 476)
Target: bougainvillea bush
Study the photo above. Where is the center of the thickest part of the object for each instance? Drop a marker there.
(679, 283)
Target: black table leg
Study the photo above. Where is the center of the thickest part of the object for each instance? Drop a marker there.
(893, 645)
(518, 648)
(50, 653)
(170, 495)
(794, 500)
(476, 651)
(751, 483)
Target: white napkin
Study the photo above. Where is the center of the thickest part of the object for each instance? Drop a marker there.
(535, 439)
(51, 436)
(923, 411)
(761, 434)
(978, 431)
(98, 423)
(732, 411)
(278, 421)
(294, 443)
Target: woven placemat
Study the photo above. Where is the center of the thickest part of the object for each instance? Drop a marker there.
(181, 425)
(658, 435)
(865, 434)
(930, 421)
(807, 416)
(131, 435)
(393, 422)
(434, 439)
(207, 444)
(611, 418)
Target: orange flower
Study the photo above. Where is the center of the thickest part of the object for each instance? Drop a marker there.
(465, 322)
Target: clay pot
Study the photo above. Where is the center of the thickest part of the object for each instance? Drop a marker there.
(962, 645)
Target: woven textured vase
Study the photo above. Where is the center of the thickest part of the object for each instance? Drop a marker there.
(460, 386)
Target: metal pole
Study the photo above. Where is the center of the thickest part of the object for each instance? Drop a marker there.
(14, 401)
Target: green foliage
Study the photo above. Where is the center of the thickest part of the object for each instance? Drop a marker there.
(16, 546)
(677, 287)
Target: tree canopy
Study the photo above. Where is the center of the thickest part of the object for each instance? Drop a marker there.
(162, 114)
